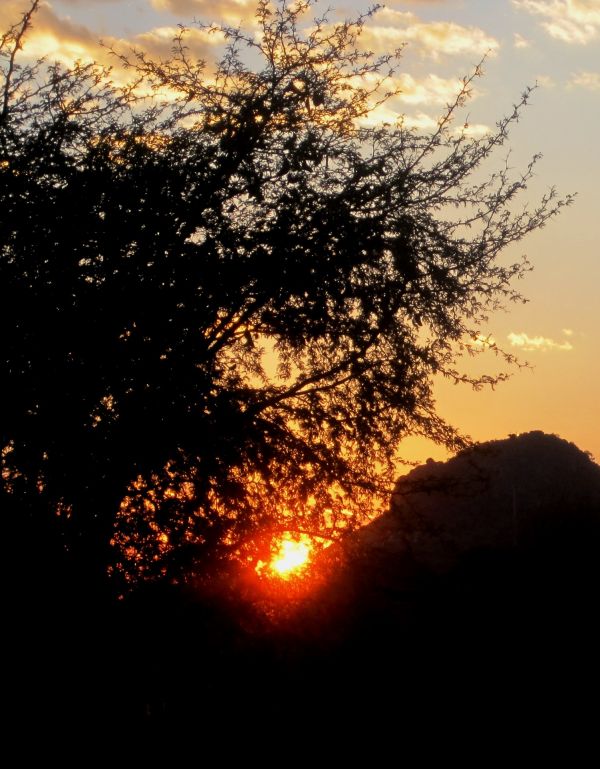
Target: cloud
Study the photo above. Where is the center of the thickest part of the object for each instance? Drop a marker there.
(420, 122)
(473, 130)
(545, 81)
(538, 343)
(391, 29)
(431, 90)
(231, 11)
(428, 91)
(88, 2)
(572, 21)
(588, 80)
(158, 42)
(521, 42)
(60, 39)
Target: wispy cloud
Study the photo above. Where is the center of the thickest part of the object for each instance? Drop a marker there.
(231, 11)
(158, 42)
(430, 90)
(521, 42)
(416, 95)
(538, 343)
(89, 2)
(588, 80)
(391, 29)
(545, 81)
(572, 21)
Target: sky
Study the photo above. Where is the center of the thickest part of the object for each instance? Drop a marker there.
(552, 43)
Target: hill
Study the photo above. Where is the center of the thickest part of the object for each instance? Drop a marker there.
(528, 492)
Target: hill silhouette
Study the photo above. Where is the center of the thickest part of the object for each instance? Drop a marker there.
(502, 524)
(525, 492)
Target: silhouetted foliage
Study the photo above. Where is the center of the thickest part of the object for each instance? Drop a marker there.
(223, 304)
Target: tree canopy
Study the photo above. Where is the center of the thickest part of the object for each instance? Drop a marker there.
(225, 292)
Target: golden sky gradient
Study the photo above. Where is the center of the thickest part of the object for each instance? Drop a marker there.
(554, 43)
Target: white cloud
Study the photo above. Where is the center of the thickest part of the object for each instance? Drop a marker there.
(537, 343)
(87, 2)
(60, 39)
(521, 42)
(421, 93)
(421, 122)
(572, 21)
(159, 41)
(392, 29)
(430, 90)
(545, 81)
(588, 80)
(231, 11)
(473, 130)
(378, 116)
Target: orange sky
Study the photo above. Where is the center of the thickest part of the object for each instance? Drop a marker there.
(553, 42)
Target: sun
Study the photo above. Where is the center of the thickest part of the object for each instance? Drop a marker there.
(292, 557)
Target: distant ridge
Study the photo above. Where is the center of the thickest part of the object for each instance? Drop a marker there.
(525, 492)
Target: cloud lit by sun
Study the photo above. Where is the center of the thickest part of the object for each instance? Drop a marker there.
(538, 343)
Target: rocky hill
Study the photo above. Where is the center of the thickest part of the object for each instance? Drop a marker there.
(526, 493)
(504, 536)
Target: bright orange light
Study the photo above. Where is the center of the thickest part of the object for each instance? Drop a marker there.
(293, 556)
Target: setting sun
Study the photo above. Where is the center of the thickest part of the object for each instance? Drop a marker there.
(292, 556)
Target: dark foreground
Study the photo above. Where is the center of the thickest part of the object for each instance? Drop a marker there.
(503, 633)
(471, 607)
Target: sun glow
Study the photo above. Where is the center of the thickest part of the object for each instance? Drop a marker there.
(291, 558)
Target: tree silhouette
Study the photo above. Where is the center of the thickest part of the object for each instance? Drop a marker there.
(223, 304)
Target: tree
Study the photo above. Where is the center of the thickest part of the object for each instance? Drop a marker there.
(223, 304)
